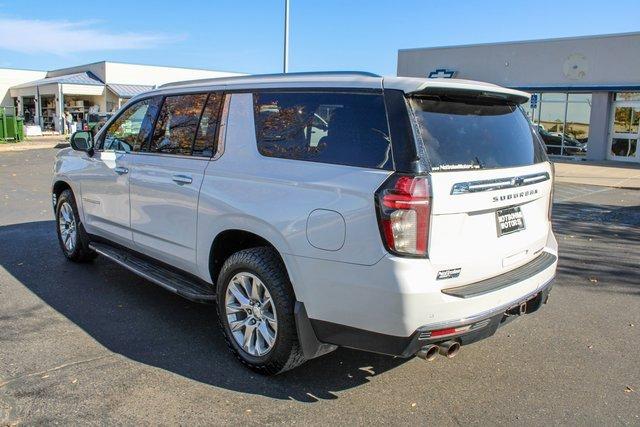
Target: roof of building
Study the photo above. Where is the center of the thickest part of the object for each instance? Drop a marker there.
(84, 78)
(128, 91)
(143, 65)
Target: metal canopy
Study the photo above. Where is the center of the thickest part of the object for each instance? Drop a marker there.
(128, 91)
(84, 78)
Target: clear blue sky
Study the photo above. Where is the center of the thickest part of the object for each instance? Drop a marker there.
(247, 35)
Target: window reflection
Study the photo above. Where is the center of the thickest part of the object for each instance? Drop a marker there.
(624, 147)
(562, 120)
(177, 123)
(627, 96)
(626, 120)
(126, 132)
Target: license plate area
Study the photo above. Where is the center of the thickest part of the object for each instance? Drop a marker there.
(509, 220)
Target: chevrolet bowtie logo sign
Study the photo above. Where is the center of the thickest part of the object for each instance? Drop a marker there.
(442, 73)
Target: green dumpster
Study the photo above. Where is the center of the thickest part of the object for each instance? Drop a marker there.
(9, 129)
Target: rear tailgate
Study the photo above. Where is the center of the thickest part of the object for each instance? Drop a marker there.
(465, 232)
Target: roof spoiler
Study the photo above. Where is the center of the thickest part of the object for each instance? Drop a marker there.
(503, 94)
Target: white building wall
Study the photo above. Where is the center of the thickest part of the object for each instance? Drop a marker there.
(11, 77)
(97, 68)
(135, 74)
(579, 61)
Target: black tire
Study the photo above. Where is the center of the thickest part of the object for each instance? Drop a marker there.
(80, 252)
(264, 263)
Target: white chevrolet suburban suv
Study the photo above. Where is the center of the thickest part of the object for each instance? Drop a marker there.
(401, 216)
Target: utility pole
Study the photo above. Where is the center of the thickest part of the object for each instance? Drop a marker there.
(285, 65)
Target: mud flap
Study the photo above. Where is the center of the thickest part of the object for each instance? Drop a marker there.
(311, 347)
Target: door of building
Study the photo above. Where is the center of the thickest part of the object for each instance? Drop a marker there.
(624, 131)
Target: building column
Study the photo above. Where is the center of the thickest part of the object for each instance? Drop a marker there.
(38, 113)
(20, 109)
(60, 124)
(598, 145)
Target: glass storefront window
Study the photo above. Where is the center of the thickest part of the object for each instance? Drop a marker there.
(550, 96)
(563, 122)
(530, 110)
(576, 133)
(580, 97)
(624, 147)
(627, 96)
(626, 120)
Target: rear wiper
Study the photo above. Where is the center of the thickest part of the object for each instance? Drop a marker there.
(479, 163)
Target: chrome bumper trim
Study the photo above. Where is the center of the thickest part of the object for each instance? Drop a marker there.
(487, 313)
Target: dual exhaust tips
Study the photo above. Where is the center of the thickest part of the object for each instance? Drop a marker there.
(447, 348)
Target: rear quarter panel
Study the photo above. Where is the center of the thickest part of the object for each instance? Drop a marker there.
(273, 198)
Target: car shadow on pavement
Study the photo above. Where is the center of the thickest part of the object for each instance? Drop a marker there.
(147, 324)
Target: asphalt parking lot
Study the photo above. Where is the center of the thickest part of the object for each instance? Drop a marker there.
(96, 344)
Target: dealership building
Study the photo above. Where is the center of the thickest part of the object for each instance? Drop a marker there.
(585, 90)
(47, 99)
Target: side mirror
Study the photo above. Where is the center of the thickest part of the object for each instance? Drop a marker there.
(82, 141)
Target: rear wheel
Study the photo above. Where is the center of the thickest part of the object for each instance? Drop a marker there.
(255, 308)
(72, 237)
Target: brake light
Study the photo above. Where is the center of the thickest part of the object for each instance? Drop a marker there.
(404, 210)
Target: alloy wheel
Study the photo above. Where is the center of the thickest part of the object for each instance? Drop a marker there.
(251, 314)
(67, 224)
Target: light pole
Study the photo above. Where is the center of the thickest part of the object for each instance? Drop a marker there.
(285, 65)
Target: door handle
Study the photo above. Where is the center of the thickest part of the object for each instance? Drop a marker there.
(182, 179)
(121, 171)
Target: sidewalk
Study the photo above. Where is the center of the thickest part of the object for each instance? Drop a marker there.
(607, 174)
(34, 143)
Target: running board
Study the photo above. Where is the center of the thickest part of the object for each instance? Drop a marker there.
(181, 284)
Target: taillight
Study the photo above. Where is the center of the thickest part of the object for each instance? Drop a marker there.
(404, 210)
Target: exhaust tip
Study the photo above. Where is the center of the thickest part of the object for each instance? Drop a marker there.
(449, 349)
(428, 352)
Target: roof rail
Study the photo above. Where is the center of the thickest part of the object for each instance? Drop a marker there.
(276, 75)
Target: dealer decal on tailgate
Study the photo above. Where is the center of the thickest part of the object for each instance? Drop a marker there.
(509, 220)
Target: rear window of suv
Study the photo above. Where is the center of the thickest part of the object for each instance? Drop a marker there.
(468, 133)
(327, 127)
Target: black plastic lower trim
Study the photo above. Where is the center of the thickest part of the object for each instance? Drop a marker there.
(360, 339)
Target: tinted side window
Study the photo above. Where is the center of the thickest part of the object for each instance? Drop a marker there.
(177, 124)
(328, 127)
(131, 129)
(205, 143)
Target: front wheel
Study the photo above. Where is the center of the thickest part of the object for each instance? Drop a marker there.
(255, 308)
(72, 237)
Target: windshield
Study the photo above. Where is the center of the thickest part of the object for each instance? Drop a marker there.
(469, 133)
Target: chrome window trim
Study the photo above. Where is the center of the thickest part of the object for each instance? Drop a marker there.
(499, 183)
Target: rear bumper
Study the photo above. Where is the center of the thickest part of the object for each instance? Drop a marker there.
(384, 307)
(481, 326)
